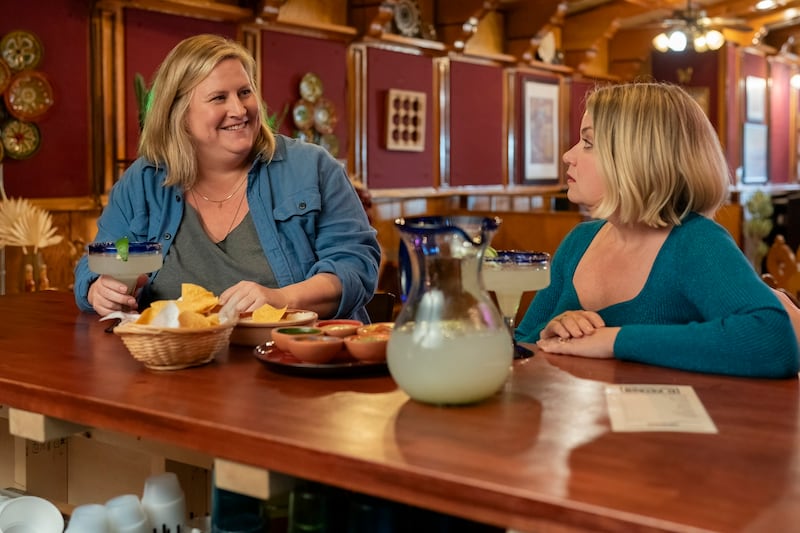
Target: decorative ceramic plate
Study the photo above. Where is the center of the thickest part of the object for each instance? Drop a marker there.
(285, 363)
(311, 87)
(407, 18)
(547, 48)
(21, 50)
(309, 135)
(5, 75)
(325, 118)
(20, 139)
(330, 142)
(29, 95)
(303, 114)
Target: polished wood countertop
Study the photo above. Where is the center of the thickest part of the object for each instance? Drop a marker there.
(540, 453)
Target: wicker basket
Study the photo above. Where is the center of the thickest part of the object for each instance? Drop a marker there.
(162, 348)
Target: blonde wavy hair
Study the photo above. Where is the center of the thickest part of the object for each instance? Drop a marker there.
(658, 153)
(165, 139)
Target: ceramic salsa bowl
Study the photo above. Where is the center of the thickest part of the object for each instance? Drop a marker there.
(250, 333)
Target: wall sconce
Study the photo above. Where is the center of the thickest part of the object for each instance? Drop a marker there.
(677, 40)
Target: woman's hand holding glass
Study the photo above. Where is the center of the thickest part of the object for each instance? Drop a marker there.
(107, 294)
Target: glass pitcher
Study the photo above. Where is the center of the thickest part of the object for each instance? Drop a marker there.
(450, 344)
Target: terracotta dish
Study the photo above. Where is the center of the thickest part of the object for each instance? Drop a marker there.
(315, 349)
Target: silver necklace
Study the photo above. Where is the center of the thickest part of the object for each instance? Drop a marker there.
(220, 202)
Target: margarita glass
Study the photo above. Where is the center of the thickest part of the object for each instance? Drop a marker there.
(142, 258)
(509, 274)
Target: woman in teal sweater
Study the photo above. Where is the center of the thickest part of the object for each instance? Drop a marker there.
(654, 279)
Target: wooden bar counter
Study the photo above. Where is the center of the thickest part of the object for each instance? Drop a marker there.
(538, 456)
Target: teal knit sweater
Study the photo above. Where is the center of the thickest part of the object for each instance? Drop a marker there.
(703, 308)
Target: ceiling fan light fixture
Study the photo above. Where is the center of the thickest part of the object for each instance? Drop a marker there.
(677, 41)
(714, 39)
(661, 42)
(700, 44)
(765, 5)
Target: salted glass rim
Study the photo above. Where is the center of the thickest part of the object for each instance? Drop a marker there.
(133, 247)
(519, 257)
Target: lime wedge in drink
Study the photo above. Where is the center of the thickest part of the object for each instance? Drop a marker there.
(122, 248)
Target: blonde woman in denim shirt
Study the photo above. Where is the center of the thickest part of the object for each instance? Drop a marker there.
(253, 216)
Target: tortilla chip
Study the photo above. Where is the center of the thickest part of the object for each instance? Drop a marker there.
(267, 313)
(147, 316)
(196, 298)
(190, 319)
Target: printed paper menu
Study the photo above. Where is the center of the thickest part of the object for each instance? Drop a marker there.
(657, 408)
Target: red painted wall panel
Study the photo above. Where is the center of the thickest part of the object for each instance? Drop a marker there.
(149, 36)
(387, 169)
(61, 166)
(286, 58)
(779, 95)
(579, 89)
(702, 70)
(476, 124)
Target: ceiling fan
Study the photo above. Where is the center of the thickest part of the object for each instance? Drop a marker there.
(691, 26)
(695, 18)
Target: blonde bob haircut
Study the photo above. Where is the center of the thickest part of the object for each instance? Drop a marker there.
(165, 139)
(658, 153)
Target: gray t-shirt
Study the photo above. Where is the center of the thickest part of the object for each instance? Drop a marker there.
(194, 258)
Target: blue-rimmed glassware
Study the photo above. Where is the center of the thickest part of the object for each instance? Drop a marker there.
(449, 344)
(509, 274)
(142, 258)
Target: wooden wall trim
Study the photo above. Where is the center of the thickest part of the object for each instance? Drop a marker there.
(78, 203)
(317, 30)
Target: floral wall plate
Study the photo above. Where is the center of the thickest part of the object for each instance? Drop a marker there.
(303, 114)
(307, 135)
(21, 50)
(311, 87)
(407, 17)
(330, 142)
(5, 75)
(325, 118)
(29, 95)
(20, 139)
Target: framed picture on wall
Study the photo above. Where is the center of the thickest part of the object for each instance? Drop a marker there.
(754, 148)
(755, 99)
(540, 131)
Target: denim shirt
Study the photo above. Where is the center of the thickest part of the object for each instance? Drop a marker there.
(307, 214)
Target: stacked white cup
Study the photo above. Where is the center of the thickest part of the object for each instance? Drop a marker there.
(30, 514)
(126, 515)
(164, 502)
(89, 518)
